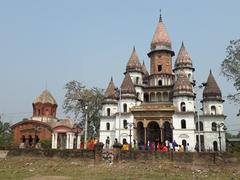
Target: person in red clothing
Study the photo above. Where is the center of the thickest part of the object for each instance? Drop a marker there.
(164, 148)
(91, 144)
(82, 145)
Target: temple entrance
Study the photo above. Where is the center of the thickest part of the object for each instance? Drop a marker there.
(154, 132)
(167, 132)
(140, 133)
(215, 146)
(61, 140)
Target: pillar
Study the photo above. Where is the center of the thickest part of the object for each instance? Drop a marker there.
(53, 141)
(71, 140)
(78, 141)
(67, 141)
(161, 131)
(145, 135)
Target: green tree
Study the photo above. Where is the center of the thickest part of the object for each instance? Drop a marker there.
(230, 67)
(77, 97)
(5, 134)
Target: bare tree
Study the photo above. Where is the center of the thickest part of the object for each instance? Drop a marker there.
(230, 68)
(77, 97)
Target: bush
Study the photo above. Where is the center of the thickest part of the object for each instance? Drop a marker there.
(46, 144)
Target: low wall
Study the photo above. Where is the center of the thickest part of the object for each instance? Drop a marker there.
(172, 156)
(123, 155)
(53, 153)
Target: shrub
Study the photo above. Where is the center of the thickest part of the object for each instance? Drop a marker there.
(46, 144)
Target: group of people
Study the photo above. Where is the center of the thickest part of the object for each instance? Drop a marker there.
(90, 144)
(152, 146)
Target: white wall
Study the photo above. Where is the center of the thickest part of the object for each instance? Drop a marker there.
(211, 136)
(113, 109)
(188, 101)
(207, 107)
(187, 134)
(187, 71)
(134, 75)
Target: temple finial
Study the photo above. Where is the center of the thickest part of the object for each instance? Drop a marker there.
(160, 17)
(182, 44)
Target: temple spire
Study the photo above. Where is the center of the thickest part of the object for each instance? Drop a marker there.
(183, 59)
(161, 39)
(160, 17)
(133, 63)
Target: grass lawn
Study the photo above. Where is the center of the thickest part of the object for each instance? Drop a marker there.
(34, 168)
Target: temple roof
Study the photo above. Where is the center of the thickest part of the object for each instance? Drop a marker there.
(111, 90)
(183, 58)
(134, 63)
(127, 86)
(161, 39)
(144, 69)
(211, 90)
(182, 84)
(45, 97)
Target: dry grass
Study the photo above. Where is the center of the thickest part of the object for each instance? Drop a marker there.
(33, 168)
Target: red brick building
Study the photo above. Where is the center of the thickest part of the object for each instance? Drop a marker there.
(44, 125)
(30, 132)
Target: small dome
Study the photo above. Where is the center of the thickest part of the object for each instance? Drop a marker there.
(133, 63)
(45, 97)
(127, 86)
(183, 58)
(111, 90)
(211, 90)
(182, 85)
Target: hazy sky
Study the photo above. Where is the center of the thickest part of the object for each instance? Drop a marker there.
(57, 41)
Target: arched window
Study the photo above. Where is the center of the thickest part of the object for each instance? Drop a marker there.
(39, 112)
(183, 124)
(165, 96)
(137, 80)
(201, 126)
(214, 126)
(138, 95)
(189, 76)
(108, 126)
(146, 97)
(125, 124)
(159, 82)
(152, 97)
(108, 111)
(159, 68)
(125, 107)
(213, 110)
(183, 107)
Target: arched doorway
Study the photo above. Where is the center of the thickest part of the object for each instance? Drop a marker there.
(140, 133)
(184, 143)
(215, 146)
(154, 132)
(167, 131)
(23, 139)
(30, 140)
